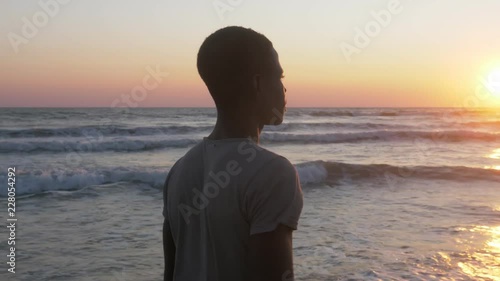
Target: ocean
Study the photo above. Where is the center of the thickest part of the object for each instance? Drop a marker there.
(389, 193)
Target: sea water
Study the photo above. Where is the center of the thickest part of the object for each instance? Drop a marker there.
(389, 193)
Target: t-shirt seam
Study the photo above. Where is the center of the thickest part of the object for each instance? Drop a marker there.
(277, 156)
(251, 180)
(165, 187)
(273, 225)
(287, 219)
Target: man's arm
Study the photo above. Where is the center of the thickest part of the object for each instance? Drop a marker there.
(273, 203)
(168, 251)
(271, 255)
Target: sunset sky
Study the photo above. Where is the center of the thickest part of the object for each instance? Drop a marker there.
(94, 52)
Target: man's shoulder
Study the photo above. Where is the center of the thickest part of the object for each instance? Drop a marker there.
(264, 162)
(252, 157)
(253, 152)
(193, 154)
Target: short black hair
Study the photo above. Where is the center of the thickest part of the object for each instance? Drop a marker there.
(228, 59)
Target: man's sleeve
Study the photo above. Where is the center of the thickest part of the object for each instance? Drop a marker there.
(165, 189)
(274, 197)
(165, 185)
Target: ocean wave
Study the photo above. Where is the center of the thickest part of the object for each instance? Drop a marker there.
(482, 124)
(323, 113)
(82, 146)
(361, 112)
(95, 131)
(40, 181)
(335, 172)
(134, 144)
(315, 172)
(104, 130)
(113, 130)
(437, 136)
(392, 112)
(294, 126)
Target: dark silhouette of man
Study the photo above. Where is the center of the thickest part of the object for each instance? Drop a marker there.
(230, 205)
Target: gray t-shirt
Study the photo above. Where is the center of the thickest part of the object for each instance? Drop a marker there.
(220, 193)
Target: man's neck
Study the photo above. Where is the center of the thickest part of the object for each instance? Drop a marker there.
(240, 126)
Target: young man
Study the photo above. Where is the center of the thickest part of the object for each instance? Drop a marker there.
(230, 206)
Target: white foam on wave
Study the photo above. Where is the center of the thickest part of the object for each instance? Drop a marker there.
(312, 172)
(141, 144)
(80, 145)
(39, 181)
(104, 130)
(437, 136)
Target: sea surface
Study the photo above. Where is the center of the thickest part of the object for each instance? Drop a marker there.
(390, 193)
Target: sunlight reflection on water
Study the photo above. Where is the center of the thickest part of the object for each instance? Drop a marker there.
(495, 154)
(485, 262)
(492, 167)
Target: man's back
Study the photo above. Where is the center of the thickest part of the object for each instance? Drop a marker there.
(218, 195)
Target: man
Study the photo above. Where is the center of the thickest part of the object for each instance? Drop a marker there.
(230, 206)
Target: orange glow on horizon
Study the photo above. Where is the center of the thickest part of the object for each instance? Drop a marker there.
(82, 59)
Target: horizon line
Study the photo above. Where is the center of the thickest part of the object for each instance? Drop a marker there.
(74, 107)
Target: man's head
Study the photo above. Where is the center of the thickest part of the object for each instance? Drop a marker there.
(242, 72)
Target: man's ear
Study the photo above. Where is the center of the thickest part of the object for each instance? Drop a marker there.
(256, 83)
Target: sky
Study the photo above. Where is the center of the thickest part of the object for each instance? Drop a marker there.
(373, 53)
